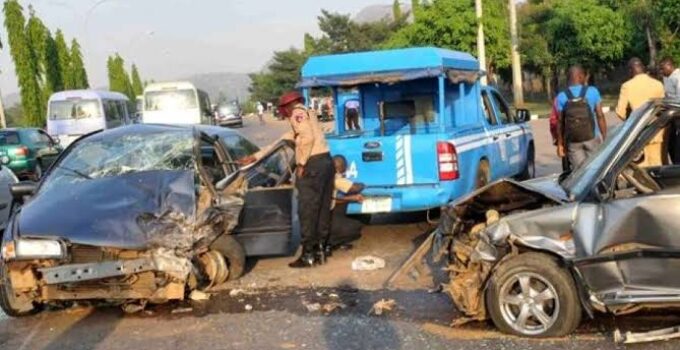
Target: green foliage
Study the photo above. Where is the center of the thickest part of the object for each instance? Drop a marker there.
(78, 73)
(64, 58)
(45, 54)
(281, 75)
(119, 80)
(396, 10)
(137, 86)
(27, 71)
(667, 21)
(453, 24)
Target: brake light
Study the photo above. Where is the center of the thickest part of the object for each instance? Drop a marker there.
(448, 161)
(21, 151)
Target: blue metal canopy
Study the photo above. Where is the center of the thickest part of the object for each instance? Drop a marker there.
(387, 66)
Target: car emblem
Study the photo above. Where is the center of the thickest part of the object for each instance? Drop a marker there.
(372, 144)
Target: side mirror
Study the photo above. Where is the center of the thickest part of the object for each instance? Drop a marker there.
(522, 115)
(22, 189)
(56, 140)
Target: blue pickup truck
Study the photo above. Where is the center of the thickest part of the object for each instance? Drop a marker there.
(430, 131)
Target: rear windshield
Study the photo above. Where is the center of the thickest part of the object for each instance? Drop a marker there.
(171, 100)
(9, 138)
(74, 109)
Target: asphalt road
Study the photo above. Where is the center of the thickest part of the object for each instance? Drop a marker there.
(274, 307)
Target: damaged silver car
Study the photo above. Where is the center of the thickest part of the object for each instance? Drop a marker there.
(145, 213)
(535, 256)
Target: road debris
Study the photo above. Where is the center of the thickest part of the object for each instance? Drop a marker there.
(368, 263)
(182, 310)
(197, 295)
(132, 308)
(248, 307)
(382, 305)
(332, 306)
(312, 307)
(646, 337)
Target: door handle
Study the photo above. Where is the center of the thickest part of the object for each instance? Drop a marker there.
(495, 138)
(508, 135)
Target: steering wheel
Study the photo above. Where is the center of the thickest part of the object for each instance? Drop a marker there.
(641, 180)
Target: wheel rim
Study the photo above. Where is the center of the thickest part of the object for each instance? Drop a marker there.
(529, 303)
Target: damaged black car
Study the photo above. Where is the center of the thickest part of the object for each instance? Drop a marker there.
(536, 256)
(145, 214)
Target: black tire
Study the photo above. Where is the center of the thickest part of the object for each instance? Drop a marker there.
(483, 174)
(7, 302)
(529, 171)
(563, 309)
(234, 253)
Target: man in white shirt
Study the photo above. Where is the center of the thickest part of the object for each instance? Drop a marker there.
(671, 78)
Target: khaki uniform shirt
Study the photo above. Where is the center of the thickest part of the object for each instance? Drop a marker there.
(634, 93)
(343, 185)
(309, 138)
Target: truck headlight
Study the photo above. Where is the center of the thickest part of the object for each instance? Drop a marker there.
(25, 249)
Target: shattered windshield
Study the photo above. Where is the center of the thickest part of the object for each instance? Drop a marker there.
(99, 157)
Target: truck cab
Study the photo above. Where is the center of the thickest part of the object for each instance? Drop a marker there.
(430, 132)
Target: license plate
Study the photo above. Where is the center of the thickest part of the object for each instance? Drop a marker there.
(376, 205)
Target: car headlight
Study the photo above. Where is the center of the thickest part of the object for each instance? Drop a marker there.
(25, 249)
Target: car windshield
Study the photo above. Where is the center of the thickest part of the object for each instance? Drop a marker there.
(171, 100)
(9, 138)
(239, 147)
(579, 181)
(101, 156)
(74, 109)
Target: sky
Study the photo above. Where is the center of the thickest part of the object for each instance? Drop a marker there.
(170, 39)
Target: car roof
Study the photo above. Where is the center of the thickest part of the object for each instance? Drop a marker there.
(87, 94)
(141, 129)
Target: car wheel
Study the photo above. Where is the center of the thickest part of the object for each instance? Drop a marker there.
(483, 174)
(531, 295)
(8, 300)
(234, 253)
(529, 171)
(38, 171)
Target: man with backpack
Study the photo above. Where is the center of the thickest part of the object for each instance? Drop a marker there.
(582, 126)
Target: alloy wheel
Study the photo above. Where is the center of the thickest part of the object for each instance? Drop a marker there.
(529, 303)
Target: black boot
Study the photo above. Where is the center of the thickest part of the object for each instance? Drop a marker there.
(306, 259)
(320, 255)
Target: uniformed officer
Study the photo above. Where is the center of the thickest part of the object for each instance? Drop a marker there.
(314, 174)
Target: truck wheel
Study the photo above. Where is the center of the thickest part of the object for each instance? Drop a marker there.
(529, 171)
(531, 295)
(483, 174)
(8, 301)
(234, 253)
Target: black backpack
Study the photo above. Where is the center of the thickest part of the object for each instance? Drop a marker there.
(577, 118)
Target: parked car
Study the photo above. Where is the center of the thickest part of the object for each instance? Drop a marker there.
(431, 132)
(29, 151)
(7, 178)
(145, 213)
(228, 115)
(537, 255)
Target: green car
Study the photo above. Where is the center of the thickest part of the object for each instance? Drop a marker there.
(27, 151)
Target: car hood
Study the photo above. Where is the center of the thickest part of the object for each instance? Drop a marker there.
(130, 211)
(548, 185)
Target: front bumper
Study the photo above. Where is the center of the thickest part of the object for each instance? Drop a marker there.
(230, 122)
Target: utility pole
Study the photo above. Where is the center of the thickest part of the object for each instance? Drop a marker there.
(518, 92)
(481, 49)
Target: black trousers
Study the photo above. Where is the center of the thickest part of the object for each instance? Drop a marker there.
(344, 229)
(315, 192)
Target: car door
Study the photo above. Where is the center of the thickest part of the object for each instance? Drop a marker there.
(494, 127)
(7, 178)
(510, 135)
(268, 222)
(48, 149)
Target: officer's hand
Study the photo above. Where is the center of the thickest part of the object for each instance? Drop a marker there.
(299, 171)
(358, 198)
(560, 151)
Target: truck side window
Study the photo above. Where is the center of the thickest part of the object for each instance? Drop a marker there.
(488, 110)
(503, 110)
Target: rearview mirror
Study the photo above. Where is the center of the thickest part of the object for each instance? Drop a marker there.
(22, 189)
(522, 115)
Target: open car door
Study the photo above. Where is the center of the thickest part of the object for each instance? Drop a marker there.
(268, 222)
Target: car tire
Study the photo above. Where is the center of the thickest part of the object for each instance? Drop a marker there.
(8, 303)
(234, 253)
(483, 174)
(529, 171)
(533, 284)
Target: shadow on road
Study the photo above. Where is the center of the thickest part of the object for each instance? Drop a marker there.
(88, 331)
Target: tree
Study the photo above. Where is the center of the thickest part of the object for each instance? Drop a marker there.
(415, 6)
(280, 76)
(119, 80)
(137, 86)
(44, 51)
(78, 73)
(396, 10)
(667, 21)
(24, 62)
(64, 57)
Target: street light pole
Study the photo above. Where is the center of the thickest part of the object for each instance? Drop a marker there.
(518, 92)
(481, 49)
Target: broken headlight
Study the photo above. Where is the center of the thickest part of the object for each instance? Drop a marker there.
(25, 249)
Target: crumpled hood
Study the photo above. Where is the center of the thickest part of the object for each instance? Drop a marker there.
(117, 211)
(548, 185)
